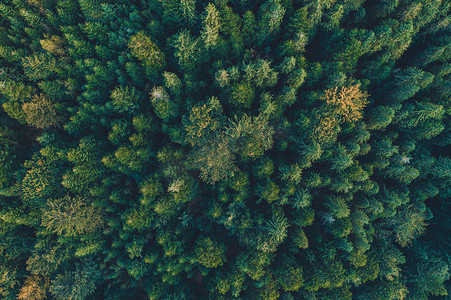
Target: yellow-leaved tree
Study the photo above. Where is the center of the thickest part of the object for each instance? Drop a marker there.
(347, 101)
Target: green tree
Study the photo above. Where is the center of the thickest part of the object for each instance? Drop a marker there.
(71, 216)
(77, 284)
(214, 159)
(209, 253)
(201, 124)
(125, 99)
(212, 23)
(143, 48)
(271, 16)
(186, 50)
(408, 225)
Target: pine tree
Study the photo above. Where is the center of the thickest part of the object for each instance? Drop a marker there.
(347, 102)
(271, 16)
(408, 224)
(76, 284)
(212, 23)
(34, 288)
(180, 12)
(209, 253)
(39, 67)
(71, 216)
(186, 50)
(214, 159)
(201, 124)
(125, 99)
(143, 48)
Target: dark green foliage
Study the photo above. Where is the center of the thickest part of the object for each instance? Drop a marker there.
(77, 284)
(191, 149)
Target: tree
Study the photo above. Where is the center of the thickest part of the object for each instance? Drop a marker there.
(71, 216)
(125, 99)
(251, 136)
(271, 16)
(254, 264)
(16, 93)
(289, 274)
(430, 275)
(341, 160)
(181, 12)
(242, 95)
(209, 253)
(41, 112)
(40, 181)
(409, 81)
(201, 124)
(53, 44)
(413, 115)
(164, 107)
(186, 50)
(143, 48)
(277, 229)
(39, 66)
(210, 31)
(380, 117)
(214, 159)
(348, 102)
(7, 156)
(408, 225)
(77, 284)
(34, 288)
(173, 83)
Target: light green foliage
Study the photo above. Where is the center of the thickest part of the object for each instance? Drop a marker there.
(210, 32)
(214, 159)
(41, 112)
(173, 83)
(408, 225)
(183, 11)
(143, 48)
(252, 136)
(289, 275)
(271, 16)
(125, 99)
(186, 50)
(16, 93)
(39, 66)
(277, 229)
(71, 216)
(300, 239)
(242, 95)
(209, 253)
(260, 73)
(161, 102)
(201, 124)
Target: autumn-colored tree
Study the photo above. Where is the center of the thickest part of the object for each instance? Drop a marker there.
(41, 112)
(347, 102)
(34, 288)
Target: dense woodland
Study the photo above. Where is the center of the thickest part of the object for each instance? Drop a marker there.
(242, 149)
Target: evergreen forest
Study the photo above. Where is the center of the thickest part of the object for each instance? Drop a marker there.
(225, 149)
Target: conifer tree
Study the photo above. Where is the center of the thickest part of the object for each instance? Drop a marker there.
(71, 216)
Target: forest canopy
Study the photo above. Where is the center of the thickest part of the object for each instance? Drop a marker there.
(225, 149)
